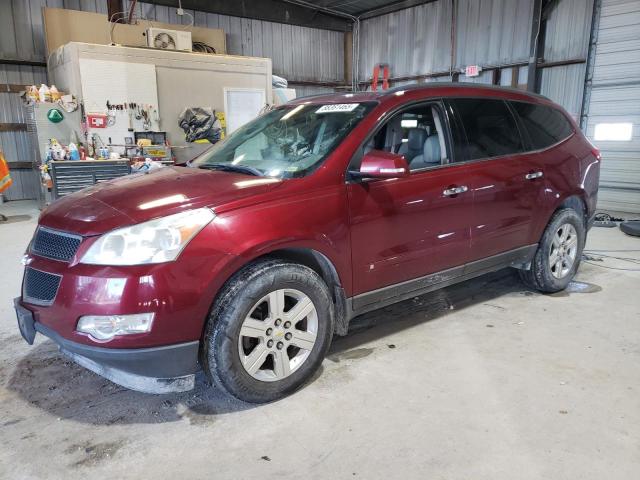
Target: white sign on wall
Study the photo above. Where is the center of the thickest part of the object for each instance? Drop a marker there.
(241, 105)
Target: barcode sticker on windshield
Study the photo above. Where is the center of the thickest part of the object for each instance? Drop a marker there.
(338, 107)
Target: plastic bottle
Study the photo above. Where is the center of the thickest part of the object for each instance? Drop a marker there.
(55, 94)
(33, 94)
(57, 151)
(44, 93)
(49, 152)
(73, 152)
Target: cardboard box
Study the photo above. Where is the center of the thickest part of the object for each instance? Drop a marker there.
(63, 26)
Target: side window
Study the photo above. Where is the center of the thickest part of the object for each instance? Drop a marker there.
(416, 133)
(490, 128)
(544, 125)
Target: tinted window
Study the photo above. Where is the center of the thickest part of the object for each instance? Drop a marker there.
(545, 125)
(490, 127)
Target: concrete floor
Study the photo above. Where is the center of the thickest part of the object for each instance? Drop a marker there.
(483, 380)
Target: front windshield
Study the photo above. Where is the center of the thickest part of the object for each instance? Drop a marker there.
(288, 142)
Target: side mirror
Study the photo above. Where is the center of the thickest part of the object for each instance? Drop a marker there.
(380, 164)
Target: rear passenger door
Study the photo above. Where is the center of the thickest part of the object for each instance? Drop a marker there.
(502, 178)
(546, 130)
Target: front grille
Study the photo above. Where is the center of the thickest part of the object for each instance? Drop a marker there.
(55, 245)
(39, 287)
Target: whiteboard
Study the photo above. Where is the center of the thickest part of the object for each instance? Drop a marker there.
(242, 105)
(119, 83)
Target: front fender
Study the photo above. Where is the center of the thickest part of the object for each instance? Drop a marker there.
(316, 221)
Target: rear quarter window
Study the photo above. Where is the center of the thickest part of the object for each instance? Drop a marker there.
(544, 125)
(490, 127)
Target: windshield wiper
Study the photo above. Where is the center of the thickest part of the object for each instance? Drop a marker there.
(228, 167)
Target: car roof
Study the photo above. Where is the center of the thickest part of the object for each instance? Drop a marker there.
(435, 89)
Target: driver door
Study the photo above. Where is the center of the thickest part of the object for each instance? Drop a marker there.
(403, 229)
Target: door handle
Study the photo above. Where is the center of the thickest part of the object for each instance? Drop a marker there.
(450, 192)
(533, 176)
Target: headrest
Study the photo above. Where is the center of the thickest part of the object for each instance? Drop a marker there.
(417, 137)
(394, 132)
(432, 149)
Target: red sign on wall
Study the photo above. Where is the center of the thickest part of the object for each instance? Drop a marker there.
(97, 120)
(472, 71)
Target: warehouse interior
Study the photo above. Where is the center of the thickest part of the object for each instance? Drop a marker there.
(484, 378)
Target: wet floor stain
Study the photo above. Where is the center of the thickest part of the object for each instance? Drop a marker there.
(93, 453)
(354, 354)
(577, 287)
(202, 414)
(49, 381)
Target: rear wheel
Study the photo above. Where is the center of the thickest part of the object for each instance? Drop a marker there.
(269, 331)
(558, 255)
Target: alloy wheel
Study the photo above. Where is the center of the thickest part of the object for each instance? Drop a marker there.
(278, 335)
(564, 249)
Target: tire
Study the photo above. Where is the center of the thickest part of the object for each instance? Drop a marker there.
(252, 367)
(545, 275)
(631, 227)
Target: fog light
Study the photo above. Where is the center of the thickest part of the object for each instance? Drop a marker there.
(105, 327)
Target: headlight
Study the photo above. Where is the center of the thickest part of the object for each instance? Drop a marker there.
(156, 241)
(104, 328)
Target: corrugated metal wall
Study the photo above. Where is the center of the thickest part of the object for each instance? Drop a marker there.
(16, 145)
(615, 98)
(564, 85)
(298, 53)
(417, 40)
(567, 37)
(493, 32)
(412, 41)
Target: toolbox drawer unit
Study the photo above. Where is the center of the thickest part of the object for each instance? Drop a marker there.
(71, 176)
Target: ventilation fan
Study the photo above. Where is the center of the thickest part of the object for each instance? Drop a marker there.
(164, 39)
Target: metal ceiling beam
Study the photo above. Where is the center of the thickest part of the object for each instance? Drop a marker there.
(269, 10)
(390, 8)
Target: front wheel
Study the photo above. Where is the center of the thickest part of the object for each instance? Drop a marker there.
(269, 331)
(558, 255)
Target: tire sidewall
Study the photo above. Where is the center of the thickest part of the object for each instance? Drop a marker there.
(222, 351)
(543, 268)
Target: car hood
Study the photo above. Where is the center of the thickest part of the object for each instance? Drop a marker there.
(137, 198)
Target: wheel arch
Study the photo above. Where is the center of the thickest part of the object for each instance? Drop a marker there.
(309, 257)
(577, 203)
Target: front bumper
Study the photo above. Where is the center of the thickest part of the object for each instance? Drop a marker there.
(164, 369)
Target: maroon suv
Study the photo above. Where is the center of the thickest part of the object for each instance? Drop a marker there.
(246, 264)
